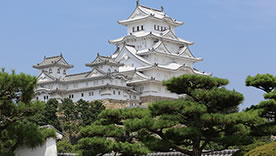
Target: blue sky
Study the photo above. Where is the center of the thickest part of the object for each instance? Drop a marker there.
(236, 38)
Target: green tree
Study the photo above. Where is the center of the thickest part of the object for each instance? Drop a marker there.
(81, 113)
(69, 120)
(88, 111)
(16, 111)
(115, 131)
(50, 114)
(204, 119)
(266, 108)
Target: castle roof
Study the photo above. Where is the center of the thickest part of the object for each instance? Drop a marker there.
(142, 12)
(53, 61)
(167, 35)
(102, 60)
(171, 67)
(161, 49)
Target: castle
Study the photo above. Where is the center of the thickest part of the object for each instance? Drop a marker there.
(149, 53)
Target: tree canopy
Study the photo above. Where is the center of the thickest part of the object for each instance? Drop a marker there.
(75, 115)
(114, 131)
(267, 107)
(206, 117)
(16, 112)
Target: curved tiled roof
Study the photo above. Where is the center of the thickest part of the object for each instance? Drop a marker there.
(53, 61)
(150, 12)
(150, 34)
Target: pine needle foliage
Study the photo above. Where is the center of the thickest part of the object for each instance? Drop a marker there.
(16, 113)
(266, 108)
(115, 131)
(207, 116)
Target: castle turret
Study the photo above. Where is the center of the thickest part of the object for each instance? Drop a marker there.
(105, 63)
(55, 66)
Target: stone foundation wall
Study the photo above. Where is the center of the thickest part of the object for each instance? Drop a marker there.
(149, 99)
(144, 101)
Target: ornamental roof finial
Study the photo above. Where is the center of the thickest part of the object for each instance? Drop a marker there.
(162, 8)
(137, 3)
(61, 54)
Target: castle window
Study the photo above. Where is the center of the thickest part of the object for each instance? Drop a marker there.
(138, 28)
(142, 27)
(158, 27)
(82, 94)
(91, 93)
(119, 93)
(64, 72)
(133, 29)
(58, 70)
(50, 71)
(154, 27)
(46, 97)
(114, 92)
(71, 96)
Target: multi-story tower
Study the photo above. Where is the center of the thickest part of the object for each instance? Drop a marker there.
(152, 52)
(149, 53)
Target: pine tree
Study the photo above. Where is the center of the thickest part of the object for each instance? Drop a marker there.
(16, 111)
(88, 111)
(205, 119)
(115, 131)
(266, 108)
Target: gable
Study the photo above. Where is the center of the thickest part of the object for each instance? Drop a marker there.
(44, 77)
(97, 60)
(186, 52)
(62, 61)
(170, 35)
(137, 77)
(129, 58)
(161, 48)
(137, 13)
(95, 73)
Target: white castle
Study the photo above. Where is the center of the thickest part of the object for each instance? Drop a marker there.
(149, 53)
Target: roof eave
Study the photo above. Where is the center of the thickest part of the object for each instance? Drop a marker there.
(52, 65)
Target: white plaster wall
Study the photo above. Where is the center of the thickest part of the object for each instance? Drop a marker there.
(148, 25)
(54, 71)
(107, 68)
(154, 89)
(47, 149)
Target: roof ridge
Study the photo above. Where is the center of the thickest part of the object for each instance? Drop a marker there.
(151, 8)
(78, 74)
(51, 57)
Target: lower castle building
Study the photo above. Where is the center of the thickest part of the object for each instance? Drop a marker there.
(149, 53)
